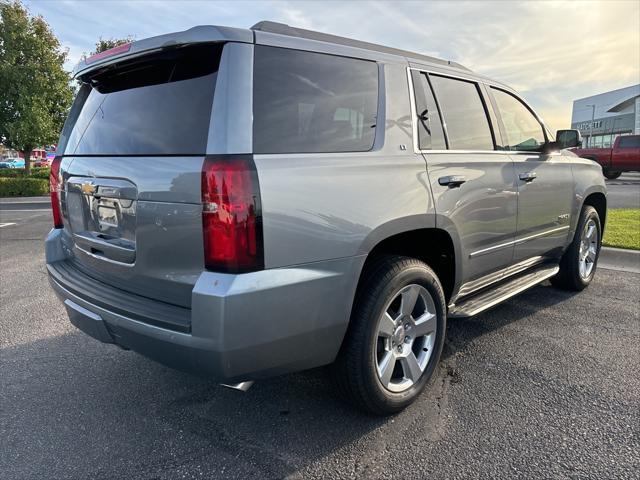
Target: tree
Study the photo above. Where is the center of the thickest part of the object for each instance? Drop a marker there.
(35, 90)
(106, 43)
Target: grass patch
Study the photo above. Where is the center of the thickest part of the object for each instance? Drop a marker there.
(23, 187)
(39, 172)
(623, 228)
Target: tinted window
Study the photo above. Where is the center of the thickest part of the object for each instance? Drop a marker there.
(311, 102)
(158, 104)
(430, 133)
(464, 114)
(629, 142)
(523, 130)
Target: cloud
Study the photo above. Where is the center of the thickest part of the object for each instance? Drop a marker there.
(552, 52)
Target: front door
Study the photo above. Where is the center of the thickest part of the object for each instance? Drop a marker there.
(544, 181)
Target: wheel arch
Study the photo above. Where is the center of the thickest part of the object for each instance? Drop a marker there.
(434, 246)
(594, 158)
(598, 200)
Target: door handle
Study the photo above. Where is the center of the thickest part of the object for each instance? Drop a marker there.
(452, 181)
(120, 250)
(528, 176)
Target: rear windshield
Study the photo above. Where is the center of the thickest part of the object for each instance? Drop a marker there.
(158, 105)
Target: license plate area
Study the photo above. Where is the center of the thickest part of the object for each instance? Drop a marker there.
(102, 217)
(108, 215)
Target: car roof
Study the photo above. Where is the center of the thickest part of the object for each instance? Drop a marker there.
(212, 33)
(292, 36)
(286, 30)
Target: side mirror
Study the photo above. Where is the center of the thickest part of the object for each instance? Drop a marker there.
(568, 139)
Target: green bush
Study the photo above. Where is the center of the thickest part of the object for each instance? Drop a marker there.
(11, 172)
(23, 187)
(40, 172)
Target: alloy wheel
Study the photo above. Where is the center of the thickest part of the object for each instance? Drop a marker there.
(405, 338)
(588, 249)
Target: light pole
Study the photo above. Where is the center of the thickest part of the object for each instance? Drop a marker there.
(613, 129)
(593, 115)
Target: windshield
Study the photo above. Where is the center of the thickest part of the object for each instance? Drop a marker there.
(159, 104)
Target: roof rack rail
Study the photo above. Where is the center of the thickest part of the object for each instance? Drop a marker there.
(284, 29)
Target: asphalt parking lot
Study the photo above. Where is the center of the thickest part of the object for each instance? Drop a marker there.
(543, 386)
(624, 191)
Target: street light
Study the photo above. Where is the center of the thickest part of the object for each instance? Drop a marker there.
(613, 128)
(593, 115)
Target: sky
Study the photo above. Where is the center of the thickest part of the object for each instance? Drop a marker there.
(551, 52)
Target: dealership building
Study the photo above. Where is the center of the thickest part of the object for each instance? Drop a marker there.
(601, 118)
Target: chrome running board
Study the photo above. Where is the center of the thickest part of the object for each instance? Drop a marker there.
(242, 386)
(484, 300)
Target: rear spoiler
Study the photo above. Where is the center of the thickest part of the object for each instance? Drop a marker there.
(201, 34)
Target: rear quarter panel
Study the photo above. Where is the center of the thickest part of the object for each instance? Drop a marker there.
(333, 205)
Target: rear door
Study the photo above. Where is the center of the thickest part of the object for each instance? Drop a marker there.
(545, 181)
(133, 149)
(472, 181)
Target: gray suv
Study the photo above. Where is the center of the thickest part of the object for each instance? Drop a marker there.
(247, 203)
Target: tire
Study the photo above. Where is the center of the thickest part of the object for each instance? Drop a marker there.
(611, 175)
(389, 286)
(570, 276)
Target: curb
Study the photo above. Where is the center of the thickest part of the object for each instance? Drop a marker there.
(619, 259)
(25, 203)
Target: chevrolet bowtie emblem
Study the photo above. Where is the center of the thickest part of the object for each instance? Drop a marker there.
(88, 188)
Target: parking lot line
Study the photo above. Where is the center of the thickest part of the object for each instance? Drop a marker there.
(6, 224)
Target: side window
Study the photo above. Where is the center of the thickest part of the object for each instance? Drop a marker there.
(305, 102)
(629, 142)
(524, 131)
(430, 133)
(464, 114)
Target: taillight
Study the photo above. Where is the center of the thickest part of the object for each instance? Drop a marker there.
(125, 47)
(55, 185)
(231, 214)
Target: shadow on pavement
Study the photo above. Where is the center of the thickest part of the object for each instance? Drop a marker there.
(461, 332)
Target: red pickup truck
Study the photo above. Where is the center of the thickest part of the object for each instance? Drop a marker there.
(623, 157)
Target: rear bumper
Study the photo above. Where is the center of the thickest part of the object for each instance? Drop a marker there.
(241, 327)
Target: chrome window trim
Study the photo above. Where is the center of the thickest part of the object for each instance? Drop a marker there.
(518, 241)
(414, 113)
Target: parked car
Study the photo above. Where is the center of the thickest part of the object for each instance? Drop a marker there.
(624, 156)
(40, 162)
(5, 163)
(12, 163)
(284, 199)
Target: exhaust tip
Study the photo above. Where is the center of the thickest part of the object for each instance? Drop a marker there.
(242, 386)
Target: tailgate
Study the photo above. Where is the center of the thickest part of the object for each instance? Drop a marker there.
(136, 223)
(133, 149)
